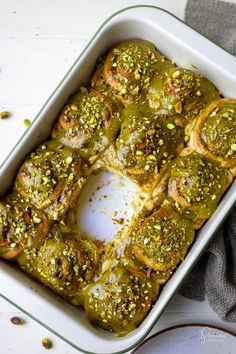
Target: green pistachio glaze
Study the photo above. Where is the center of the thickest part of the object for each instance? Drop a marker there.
(218, 131)
(51, 178)
(146, 142)
(132, 120)
(196, 185)
(161, 241)
(119, 252)
(88, 123)
(63, 264)
(181, 92)
(21, 226)
(118, 301)
(129, 67)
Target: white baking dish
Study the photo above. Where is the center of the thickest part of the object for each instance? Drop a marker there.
(179, 42)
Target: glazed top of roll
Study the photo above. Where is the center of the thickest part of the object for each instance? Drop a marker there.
(146, 142)
(21, 226)
(51, 178)
(196, 184)
(214, 132)
(129, 66)
(119, 300)
(65, 263)
(88, 123)
(181, 92)
(161, 240)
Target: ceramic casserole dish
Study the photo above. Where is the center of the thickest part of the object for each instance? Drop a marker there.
(188, 49)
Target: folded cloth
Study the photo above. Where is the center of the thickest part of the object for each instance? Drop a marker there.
(214, 276)
(215, 19)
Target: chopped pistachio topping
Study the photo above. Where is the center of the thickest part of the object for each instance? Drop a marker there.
(76, 269)
(36, 220)
(69, 159)
(200, 182)
(89, 123)
(27, 122)
(219, 130)
(170, 126)
(17, 321)
(166, 237)
(119, 297)
(47, 344)
(4, 115)
(146, 144)
(17, 226)
(233, 147)
(132, 65)
(46, 174)
(181, 91)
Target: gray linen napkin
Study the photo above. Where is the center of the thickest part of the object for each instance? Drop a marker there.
(214, 276)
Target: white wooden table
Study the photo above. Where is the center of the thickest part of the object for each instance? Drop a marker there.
(39, 40)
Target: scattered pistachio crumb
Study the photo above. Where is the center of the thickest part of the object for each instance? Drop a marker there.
(36, 220)
(4, 115)
(176, 74)
(69, 159)
(139, 153)
(76, 269)
(123, 91)
(27, 122)
(233, 147)
(70, 177)
(47, 344)
(119, 221)
(213, 114)
(186, 138)
(17, 321)
(170, 126)
(74, 107)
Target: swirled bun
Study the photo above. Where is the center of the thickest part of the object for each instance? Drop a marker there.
(161, 241)
(146, 144)
(51, 178)
(99, 84)
(21, 226)
(89, 123)
(182, 93)
(119, 300)
(214, 132)
(196, 185)
(63, 263)
(129, 66)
